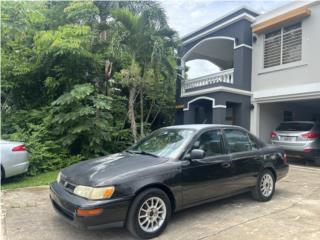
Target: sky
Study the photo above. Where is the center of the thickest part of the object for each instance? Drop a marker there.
(185, 16)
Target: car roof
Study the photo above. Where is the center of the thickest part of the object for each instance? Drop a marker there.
(199, 127)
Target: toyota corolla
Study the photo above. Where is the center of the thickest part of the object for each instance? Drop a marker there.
(171, 169)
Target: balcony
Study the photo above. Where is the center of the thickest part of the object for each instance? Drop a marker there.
(208, 81)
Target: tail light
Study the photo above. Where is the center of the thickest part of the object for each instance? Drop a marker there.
(310, 135)
(19, 148)
(274, 134)
(307, 150)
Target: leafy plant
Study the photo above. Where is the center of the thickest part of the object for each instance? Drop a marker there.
(45, 153)
(82, 120)
(80, 78)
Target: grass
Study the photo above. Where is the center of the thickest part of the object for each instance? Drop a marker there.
(29, 181)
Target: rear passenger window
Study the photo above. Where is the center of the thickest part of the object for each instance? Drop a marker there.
(211, 143)
(238, 141)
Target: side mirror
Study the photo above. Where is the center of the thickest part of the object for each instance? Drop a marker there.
(197, 154)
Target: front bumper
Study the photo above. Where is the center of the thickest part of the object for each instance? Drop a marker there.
(65, 203)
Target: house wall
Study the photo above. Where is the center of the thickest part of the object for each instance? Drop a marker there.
(241, 31)
(285, 83)
(220, 99)
(243, 38)
(297, 73)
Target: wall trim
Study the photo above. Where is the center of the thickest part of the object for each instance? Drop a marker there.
(199, 98)
(282, 67)
(219, 106)
(217, 89)
(243, 45)
(213, 38)
(246, 16)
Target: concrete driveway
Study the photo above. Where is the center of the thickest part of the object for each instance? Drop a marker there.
(294, 213)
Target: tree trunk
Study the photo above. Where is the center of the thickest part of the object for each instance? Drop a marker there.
(107, 75)
(131, 115)
(141, 115)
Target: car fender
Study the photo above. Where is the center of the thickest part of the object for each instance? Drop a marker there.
(167, 181)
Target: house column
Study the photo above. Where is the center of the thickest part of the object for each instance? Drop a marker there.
(218, 114)
(255, 118)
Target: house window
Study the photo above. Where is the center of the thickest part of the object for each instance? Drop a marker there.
(283, 46)
(272, 49)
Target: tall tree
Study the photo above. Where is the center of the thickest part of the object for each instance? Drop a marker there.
(151, 43)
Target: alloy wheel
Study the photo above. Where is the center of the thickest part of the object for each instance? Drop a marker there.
(152, 214)
(266, 185)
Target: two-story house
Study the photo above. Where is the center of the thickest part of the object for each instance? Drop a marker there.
(285, 66)
(269, 69)
(222, 96)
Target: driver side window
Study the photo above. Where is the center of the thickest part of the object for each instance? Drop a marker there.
(210, 142)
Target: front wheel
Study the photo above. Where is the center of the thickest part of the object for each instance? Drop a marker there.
(265, 186)
(149, 214)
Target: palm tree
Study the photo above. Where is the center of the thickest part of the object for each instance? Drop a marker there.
(149, 41)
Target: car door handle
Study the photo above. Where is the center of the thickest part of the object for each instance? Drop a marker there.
(225, 165)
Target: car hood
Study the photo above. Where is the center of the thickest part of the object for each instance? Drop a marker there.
(106, 169)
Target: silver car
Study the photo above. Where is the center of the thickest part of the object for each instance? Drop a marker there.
(300, 139)
(14, 158)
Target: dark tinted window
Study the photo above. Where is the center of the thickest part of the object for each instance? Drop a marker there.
(238, 141)
(210, 142)
(295, 127)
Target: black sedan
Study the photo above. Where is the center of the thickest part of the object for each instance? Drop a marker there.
(173, 168)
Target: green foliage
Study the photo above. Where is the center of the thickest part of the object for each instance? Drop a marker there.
(45, 151)
(82, 12)
(69, 39)
(67, 68)
(82, 119)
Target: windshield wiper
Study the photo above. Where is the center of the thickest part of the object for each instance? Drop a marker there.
(143, 153)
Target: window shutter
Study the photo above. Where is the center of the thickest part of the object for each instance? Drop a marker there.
(292, 43)
(272, 49)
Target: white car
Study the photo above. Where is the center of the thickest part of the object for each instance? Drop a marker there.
(14, 158)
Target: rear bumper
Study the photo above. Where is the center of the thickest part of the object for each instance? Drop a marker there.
(16, 169)
(313, 154)
(282, 172)
(307, 151)
(65, 203)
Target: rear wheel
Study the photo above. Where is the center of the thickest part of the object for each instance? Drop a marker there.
(149, 214)
(265, 186)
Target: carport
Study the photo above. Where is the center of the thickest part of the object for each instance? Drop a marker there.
(270, 114)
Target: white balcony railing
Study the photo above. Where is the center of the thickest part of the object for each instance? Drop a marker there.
(225, 76)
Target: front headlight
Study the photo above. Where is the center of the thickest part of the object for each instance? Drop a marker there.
(94, 193)
(59, 177)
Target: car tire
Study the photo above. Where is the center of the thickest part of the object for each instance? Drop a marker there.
(265, 187)
(142, 218)
(2, 173)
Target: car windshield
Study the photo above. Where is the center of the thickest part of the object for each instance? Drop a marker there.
(299, 127)
(167, 143)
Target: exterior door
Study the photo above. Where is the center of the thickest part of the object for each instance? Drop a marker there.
(206, 178)
(245, 157)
